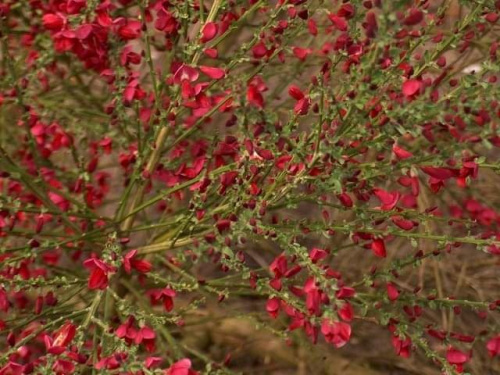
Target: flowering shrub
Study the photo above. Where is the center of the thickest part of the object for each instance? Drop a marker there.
(311, 166)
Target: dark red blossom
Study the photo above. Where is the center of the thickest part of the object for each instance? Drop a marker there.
(414, 17)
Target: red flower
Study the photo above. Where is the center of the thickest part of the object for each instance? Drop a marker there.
(295, 92)
(4, 301)
(99, 273)
(131, 29)
(279, 266)
(392, 292)
(302, 106)
(130, 261)
(493, 346)
(166, 295)
(301, 53)
(255, 87)
(273, 307)
(401, 153)
(440, 173)
(317, 254)
(213, 72)
(313, 297)
(63, 367)
(185, 73)
(339, 22)
(53, 22)
(492, 17)
(346, 312)
(402, 346)
(166, 22)
(182, 367)
(345, 292)
(345, 199)
(223, 225)
(112, 362)
(133, 92)
(209, 32)
(130, 334)
(388, 199)
(457, 358)
(378, 248)
(126, 331)
(61, 339)
(152, 362)
(414, 18)
(403, 223)
(411, 87)
(147, 337)
(336, 333)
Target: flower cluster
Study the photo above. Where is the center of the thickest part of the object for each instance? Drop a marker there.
(314, 167)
